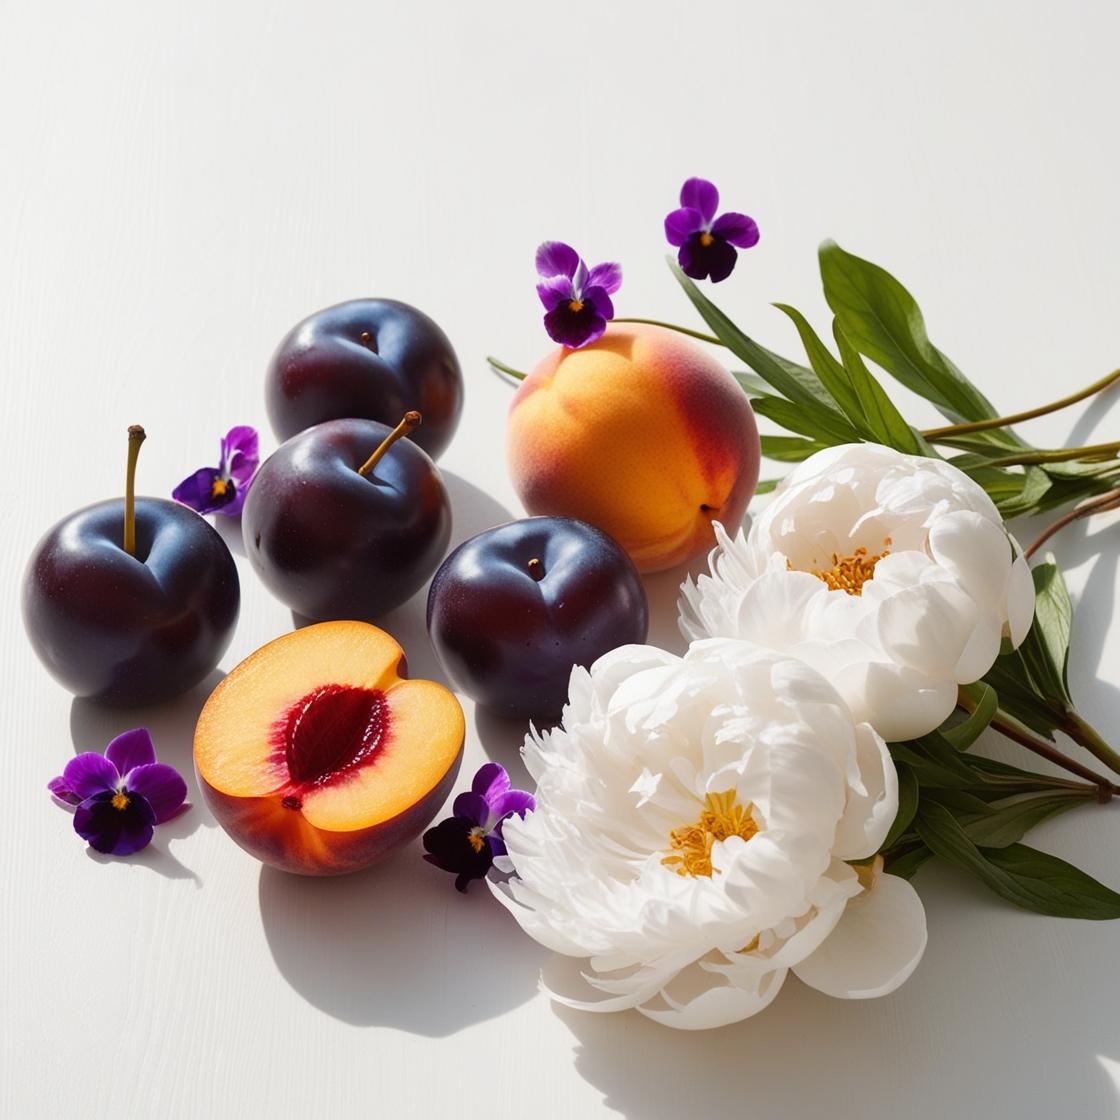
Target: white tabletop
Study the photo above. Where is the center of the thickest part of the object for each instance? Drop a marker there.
(182, 182)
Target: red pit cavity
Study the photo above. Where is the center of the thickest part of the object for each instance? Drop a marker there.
(330, 731)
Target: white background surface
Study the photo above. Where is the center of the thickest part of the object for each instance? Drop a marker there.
(182, 182)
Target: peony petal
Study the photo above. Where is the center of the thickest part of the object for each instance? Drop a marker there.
(868, 816)
(977, 552)
(981, 649)
(899, 702)
(712, 1002)
(927, 627)
(1020, 601)
(130, 749)
(875, 946)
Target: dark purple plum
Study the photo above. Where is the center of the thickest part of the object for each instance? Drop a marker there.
(371, 359)
(137, 627)
(512, 610)
(336, 543)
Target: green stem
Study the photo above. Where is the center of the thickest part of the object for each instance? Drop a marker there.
(135, 438)
(674, 327)
(1083, 733)
(1100, 451)
(1019, 417)
(1105, 502)
(509, 371)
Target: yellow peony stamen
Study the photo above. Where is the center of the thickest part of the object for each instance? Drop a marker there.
(849, 573)
(721, 818)
(218, 488)
(120, 800)
(477, 838)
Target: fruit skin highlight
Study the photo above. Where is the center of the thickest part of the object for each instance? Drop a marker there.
(355, 797)
(333, 544)
(370, 358)
(642, 434)
(513, 609)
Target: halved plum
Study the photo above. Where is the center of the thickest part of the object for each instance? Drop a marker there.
(317, 756)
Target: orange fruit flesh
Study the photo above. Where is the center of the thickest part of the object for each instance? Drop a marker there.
(320, 722)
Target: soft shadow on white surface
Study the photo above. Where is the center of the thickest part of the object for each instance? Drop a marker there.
(229, 529)
(398, 946)
(172, 727)
(956, 1041)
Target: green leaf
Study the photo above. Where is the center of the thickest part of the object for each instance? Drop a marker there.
(884, 420)
(752, 384)
(1046, 649)
(766, 485)
(1018, 697)
(831, 373)
(1007, 822)
(882, 320)
(1028, 878)
(794, 382)
(789, 449)
(906, 863)
(907, 806)
(962, 735)
(813, 421)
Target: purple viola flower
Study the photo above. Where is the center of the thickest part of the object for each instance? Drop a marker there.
(706, 245)
(120, 796)
(577, 299)
(467, 842)
(222, 489)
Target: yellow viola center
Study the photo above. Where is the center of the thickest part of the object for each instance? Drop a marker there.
(706, 239)
(218, 488)
(477, 838)
(575, 306)
(721, 818)
(849, 573)
(120, 800)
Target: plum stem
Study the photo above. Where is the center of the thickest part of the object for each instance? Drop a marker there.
(536, 569)
(136, 436)
(411, 420)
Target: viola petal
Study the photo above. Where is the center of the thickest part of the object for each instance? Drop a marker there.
(197, 490)
(491, 781)
(89, 774)
(240, 453)
(714, 261)
(574, 329)
(512, 801)
(681, 224)
(554, 258)
(130, 749)
(738, 229)
(607, 276)
(701, 195)
(113, 831)
(600, 301)
(472, 807)
(60, 790)
(555, 292)
(161, 786)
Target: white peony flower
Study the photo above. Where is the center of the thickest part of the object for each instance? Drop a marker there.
(693, 825)
(892, 574)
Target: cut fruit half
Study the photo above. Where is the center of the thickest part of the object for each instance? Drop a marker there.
(317, 756)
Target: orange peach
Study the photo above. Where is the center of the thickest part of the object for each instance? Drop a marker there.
(642, 434)
(317, 757)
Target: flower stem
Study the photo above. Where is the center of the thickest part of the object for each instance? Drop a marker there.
(1018, 417)
(1099, 451)
(410, 421)
(1012, 731)
(1087, 736)
(136, 437)
(509, 371)
(1105, 502)
(673, 327)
